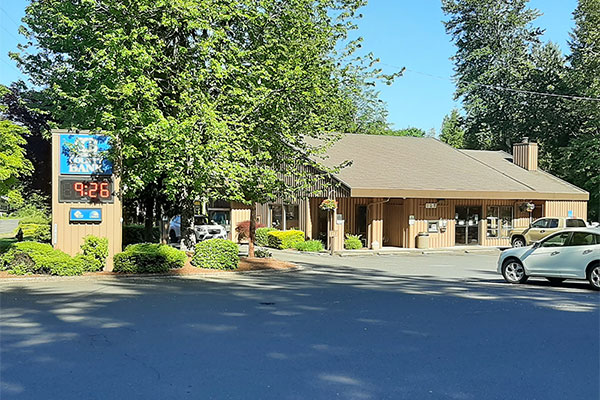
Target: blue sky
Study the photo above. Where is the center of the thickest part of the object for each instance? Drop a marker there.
(402, 33)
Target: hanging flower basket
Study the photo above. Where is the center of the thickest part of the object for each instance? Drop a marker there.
(328, 204)
(529, 207)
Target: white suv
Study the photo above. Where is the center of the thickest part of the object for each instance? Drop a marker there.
(203, 228)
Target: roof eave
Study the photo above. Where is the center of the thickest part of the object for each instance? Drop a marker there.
(466, 194)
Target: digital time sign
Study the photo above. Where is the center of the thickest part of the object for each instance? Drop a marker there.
(95, 190)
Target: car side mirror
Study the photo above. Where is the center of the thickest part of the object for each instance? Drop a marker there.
(536, 244)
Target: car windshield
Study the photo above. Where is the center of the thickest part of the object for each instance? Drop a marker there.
(200, 220)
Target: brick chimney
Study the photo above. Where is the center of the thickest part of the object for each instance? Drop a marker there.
(525, 154)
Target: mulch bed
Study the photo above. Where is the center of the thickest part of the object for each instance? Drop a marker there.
(246, 264)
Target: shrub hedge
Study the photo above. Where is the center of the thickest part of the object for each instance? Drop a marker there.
(144, 258)
(42, 233)
(94, 252)
(285, 239)
(309, 245)
(40, 258)
(262, 236)
(352, 242)
(216, 254)
(134, 233)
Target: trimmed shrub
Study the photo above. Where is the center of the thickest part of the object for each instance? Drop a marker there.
(31, 230)
(262, 236)
(309, 245)
(42, 234)
(216, 254)
(134, 233)
(262, 253)
(352, 242)
(94, 252)
(243, 229)
(147, 258)
(39, 258)
(285, 239)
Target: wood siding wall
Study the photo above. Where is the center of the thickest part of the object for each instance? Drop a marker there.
(239, 213)
(67, 236)
(388, 219)
(561, 209)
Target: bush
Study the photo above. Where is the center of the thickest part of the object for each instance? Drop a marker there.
(134, 233)
(34, 230)
(261, 253)
(262, 236)
(352, 242)
(243, 229)
(42, 234)
(148, 258)
(216, 254)
(309, 245)
(94, 253)
(285, 239)
(39, 258)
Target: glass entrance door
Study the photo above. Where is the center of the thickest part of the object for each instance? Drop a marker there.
(467, 225)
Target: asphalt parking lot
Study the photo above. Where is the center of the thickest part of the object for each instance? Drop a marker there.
(386, 327)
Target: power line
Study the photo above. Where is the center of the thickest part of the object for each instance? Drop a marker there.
(7, 31)
(496, 87)
(10, 65)
(9, 17)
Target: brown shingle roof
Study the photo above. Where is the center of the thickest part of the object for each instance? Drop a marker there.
(394, 166)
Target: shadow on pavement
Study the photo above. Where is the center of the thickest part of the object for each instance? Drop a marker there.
(320, 333)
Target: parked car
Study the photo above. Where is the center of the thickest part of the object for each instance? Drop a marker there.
(203, 228)
(542, 227)
(568, 254)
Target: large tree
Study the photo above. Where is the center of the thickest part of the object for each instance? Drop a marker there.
(14, 166)
(494, 40)
(203, 98)
(579, 160)
(25, 107)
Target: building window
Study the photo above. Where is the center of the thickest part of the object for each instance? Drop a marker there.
(499, 221)
(433, 226)
(276, 220)
(291, 217)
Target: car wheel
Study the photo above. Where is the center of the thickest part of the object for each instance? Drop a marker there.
(556, 281)
(514, 272)
(172, 237)
(518, 242)
(594, 276)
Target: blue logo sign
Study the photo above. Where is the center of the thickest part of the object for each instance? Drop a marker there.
(85, 215)
(84, 155)
(570, 214)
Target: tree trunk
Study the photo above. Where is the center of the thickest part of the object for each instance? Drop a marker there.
(252, 231)
(163, 232)
(188, 236)
(148, 217)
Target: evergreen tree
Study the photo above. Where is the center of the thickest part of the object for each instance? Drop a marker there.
(495, 40)
(580, 158)
(452, 130)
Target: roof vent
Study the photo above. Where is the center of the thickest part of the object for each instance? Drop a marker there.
(525, 154)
